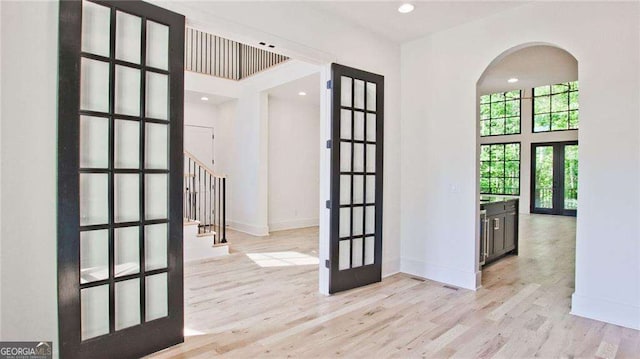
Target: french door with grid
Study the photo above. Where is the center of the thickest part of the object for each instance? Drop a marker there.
(356, 178)
(120, 127)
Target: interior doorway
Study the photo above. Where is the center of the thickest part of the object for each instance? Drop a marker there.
(199, 141)
(554, 180)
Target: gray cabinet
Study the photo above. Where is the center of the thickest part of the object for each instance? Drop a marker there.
(502, 229)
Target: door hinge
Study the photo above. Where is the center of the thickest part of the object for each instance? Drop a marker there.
(329, 143)
(326, 263)
(329, 85)
(328, 204)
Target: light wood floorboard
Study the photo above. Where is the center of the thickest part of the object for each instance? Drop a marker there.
(236, 308)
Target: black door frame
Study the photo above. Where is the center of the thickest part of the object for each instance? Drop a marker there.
(558, 179)
(156, 334)
(340, 280)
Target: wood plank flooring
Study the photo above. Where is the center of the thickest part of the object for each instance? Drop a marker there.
(236, 308)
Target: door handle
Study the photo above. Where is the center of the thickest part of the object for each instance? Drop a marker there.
(496, 223)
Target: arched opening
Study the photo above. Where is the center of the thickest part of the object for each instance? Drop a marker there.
(527, 175)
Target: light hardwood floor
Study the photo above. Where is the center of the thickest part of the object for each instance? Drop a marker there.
(237, 309)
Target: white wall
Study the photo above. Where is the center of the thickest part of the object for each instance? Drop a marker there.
(294, 164)
(28, 121)
(439, 162)
(526, 138)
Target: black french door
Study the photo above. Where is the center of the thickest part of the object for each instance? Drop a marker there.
(356, 178)
(120, 128)
(554, 178)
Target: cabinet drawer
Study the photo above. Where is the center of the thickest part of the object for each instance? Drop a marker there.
(494, 208)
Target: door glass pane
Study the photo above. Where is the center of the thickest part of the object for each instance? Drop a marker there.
(96, 23)
(156, 196)
(94, 311)
(571, 177)
(156, 296)
(345, 157)
(345, 124)
(357, 252)
(358, 94)
(157, 45)
(358, 125)
(371, 127)
(94, 85)
(126, 144)
(358, 157)
(127, 250)
(94, 207)
(94, 256)
(156, 151)
(127, 91)
(370, 220)
(126, 193)
(371, 96)
(155, 246)
(358, 189)
(543, 193)
(345, 189)
(371, 158)
(344, 261)
(357, 220)
(128, 37)
(157, 96)
(345, 91)
(127, 298)
(369, 246)
(94, 142)
(371, 189)
(345, 222)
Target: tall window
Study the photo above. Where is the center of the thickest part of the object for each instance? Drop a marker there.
(555, 107)
(500, 114)
(500, 168)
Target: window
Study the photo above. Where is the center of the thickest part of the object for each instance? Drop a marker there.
(555, 107)
(500, 114)
(500, 168)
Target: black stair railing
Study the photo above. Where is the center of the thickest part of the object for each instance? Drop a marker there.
(205, 198)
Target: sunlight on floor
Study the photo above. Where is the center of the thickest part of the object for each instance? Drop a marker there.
(188, 332)
(282, 259)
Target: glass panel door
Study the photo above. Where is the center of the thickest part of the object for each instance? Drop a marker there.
(554, 180)
(119, 179)
(543, 193)
(356, 175)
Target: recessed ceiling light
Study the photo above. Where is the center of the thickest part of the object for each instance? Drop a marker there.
(204, 98)
(406, 8)
(302, 93)
(512, 80)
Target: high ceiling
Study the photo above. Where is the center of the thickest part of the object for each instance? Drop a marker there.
(290, 91)
(383, 18)
(532, 66)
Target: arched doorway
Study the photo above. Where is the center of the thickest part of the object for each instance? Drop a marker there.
(527, 155)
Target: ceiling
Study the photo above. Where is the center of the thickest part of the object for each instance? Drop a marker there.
(289, 91)
(383, 18)
(532, 66)
(196, 97)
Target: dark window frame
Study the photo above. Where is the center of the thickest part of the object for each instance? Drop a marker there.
(504, 176)
(504, 118)
(550, 113)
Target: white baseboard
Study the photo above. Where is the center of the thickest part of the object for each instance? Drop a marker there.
(439, 273)
(390, 267)
(604, 310)
(293, 224)
(258, 231)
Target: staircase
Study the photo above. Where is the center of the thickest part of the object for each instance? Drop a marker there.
(204, 196)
